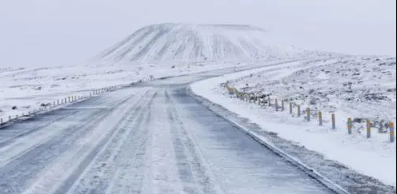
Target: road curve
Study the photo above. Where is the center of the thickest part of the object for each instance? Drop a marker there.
(151, 139)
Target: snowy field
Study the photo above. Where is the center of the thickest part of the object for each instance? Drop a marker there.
(362, 88)
(356, 87)
(23, 90)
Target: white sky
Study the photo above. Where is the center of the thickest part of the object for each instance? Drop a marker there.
(68, 32)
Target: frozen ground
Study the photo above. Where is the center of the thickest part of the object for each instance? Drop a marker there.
(322, 84)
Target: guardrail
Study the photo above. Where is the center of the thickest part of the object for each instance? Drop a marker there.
(296, 110)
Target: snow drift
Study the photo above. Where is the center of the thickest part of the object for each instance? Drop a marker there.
(201, 43)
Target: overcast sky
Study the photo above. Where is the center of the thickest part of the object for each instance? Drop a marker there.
(68, 32)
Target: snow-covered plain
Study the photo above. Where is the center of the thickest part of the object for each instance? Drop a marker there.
(28, 89)
(322, 83)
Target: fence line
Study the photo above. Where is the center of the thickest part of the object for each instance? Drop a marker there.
(47, 107)
(266, 101)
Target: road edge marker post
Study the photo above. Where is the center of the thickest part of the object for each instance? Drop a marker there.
(369, 135)
(392, 132)
(299, 110)
(308, 112)
(350, 126)
(283, 105)
(320, 118)
(333, 121)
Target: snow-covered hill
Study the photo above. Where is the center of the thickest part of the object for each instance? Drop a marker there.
(200, 43)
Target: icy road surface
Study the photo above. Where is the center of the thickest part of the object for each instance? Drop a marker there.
(152, 139)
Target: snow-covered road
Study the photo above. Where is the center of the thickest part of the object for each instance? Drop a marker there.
(151, 139)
